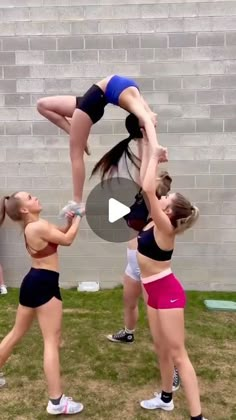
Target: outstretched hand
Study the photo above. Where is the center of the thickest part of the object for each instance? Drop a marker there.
(161, 153)
(69, 217)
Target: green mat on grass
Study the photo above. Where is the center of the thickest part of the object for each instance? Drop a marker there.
(220, 305)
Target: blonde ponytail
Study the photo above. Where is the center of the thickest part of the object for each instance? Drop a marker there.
(187, 222)
(10, 205)
(183, 214)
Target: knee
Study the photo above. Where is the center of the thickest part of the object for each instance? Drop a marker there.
(42, 105)
(76, 147)
(131, 304)
(58, 336)
(76, 154)
(15, 336)
(178, 355)
(53, 339)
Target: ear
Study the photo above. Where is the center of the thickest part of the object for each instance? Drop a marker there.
(168, 211)
(24, 210)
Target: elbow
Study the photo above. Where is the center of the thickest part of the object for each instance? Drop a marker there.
(143, 184)
(148, 188)
(67, 241)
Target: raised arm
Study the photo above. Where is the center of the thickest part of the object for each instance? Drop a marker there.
(148, 109)
(136, 106)
(160, 219)
(145, 157)
(139, 145)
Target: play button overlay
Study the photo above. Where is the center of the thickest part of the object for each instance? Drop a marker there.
(106, 206)
(116, 210)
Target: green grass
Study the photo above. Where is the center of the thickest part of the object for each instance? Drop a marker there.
(110, 379)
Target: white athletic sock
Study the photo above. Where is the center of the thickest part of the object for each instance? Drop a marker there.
(129, 331)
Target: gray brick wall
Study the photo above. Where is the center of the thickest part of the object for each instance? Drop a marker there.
(183, 55)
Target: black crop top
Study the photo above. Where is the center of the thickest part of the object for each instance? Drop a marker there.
(148, 247)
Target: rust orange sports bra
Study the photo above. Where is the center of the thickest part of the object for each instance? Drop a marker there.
(48, 250)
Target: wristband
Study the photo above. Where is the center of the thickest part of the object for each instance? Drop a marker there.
(77, 212)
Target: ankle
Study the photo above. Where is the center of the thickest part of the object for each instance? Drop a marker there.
(56, 401)
(166, 397)
(199, 417)
(129, 331)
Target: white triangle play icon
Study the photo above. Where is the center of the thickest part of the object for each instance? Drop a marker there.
(116, 210)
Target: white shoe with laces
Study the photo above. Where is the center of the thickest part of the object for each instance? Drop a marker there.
(66, 406)
(156, 402)
(2, 380)
(3, 290)
(175, 384)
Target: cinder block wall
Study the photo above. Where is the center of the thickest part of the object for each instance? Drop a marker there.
(183, 55)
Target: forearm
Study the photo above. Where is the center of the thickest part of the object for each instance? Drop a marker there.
(144, 162)
(64, 229)
(146, 106)
(137, 178)
(73, 230)
(149, 184)
(151, 134)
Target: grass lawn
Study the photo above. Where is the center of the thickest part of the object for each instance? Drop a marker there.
(110, 379)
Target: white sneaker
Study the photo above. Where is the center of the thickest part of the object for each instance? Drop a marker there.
(156, 402)
(2, 380)
(3, 290)
(72, 206)
(66, 406)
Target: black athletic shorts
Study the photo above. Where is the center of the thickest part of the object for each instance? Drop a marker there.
(92, 103)
(38, 287)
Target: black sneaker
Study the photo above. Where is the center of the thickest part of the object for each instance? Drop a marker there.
(175, 385)
(176, 381)
(121, 337)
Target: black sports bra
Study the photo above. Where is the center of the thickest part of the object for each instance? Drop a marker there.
(137, 218)
(148, 247)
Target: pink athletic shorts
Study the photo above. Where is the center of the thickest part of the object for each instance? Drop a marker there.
(164, 291)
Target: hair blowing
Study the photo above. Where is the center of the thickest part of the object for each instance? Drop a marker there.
(108, 164)
(10, 205)
(184, 214)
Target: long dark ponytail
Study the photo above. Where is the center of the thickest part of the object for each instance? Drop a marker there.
(108, 164)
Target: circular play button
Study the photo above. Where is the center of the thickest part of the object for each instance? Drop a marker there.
(108, 205)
